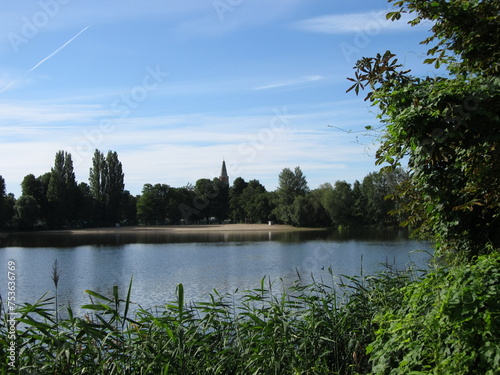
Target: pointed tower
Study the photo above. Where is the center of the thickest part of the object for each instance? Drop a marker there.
(223, 174)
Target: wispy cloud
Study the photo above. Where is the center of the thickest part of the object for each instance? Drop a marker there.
(259, 147)
(290, 82)
(373, 21)
(16, 114)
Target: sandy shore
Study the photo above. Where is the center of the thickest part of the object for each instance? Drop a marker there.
(191, 229)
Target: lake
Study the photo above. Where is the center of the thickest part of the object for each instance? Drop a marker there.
(159, 261)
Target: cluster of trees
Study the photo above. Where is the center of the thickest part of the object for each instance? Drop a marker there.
(55, 200)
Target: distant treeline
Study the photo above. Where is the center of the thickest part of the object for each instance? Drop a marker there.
(56, 200)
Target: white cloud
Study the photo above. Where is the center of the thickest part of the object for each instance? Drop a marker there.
(16, 114)
(290, 82)
(182, 148)
(372, 23)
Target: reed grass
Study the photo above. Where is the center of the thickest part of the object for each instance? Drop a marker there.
(319, 327)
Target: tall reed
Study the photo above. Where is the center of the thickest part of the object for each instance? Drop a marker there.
(321, 327)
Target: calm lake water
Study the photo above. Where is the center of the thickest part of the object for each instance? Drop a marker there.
(224, 261)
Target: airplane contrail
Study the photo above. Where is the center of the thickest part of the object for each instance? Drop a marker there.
(58, 50)
(7, 87)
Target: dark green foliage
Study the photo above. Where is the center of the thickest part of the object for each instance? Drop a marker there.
(37, 187)
(466, 33)
(27, 212)
(237, 211)
(107, 187)
(448, 127)
(447, 323)
(104, 202)
(152, 206)
(128, 209)
(84, 206)
(7, 203)
(61, 191)
(291, 185)
(211, 200)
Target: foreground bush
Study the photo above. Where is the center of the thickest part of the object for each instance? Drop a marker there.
(447, 323)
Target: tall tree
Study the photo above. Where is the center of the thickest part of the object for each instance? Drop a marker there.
(85, 214)
(446, 127)
(61, 191)
(291, 185)
(7, 203)
(97, 183)
(114, 187)
(236, 206)
(106, 184)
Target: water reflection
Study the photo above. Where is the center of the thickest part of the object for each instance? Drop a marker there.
(225, 261)
(71, 239)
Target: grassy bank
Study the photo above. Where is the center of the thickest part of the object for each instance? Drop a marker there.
(445, 321)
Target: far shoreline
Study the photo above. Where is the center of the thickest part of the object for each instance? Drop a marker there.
(195, 228)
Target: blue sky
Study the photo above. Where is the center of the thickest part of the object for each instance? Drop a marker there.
(176, 86)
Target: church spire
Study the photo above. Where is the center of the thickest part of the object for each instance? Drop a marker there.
(223, 173)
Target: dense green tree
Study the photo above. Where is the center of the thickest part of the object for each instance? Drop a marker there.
(204, 193)
(318, 213)
(2, 202)
(301, 212)
(183, 210)
(374, 188)
(236, 206)
(85, 213)
(342, 204)
(106, 184)
(254, 202)
(114, 187)
(61, 191)
(128, 208)
(220, 203)
(360, 202)
(7, 203)
(211, 199)
(27, 212)
(447, 127)
(97, 183)
(152, 206)
(291, 185)
(37, 187)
